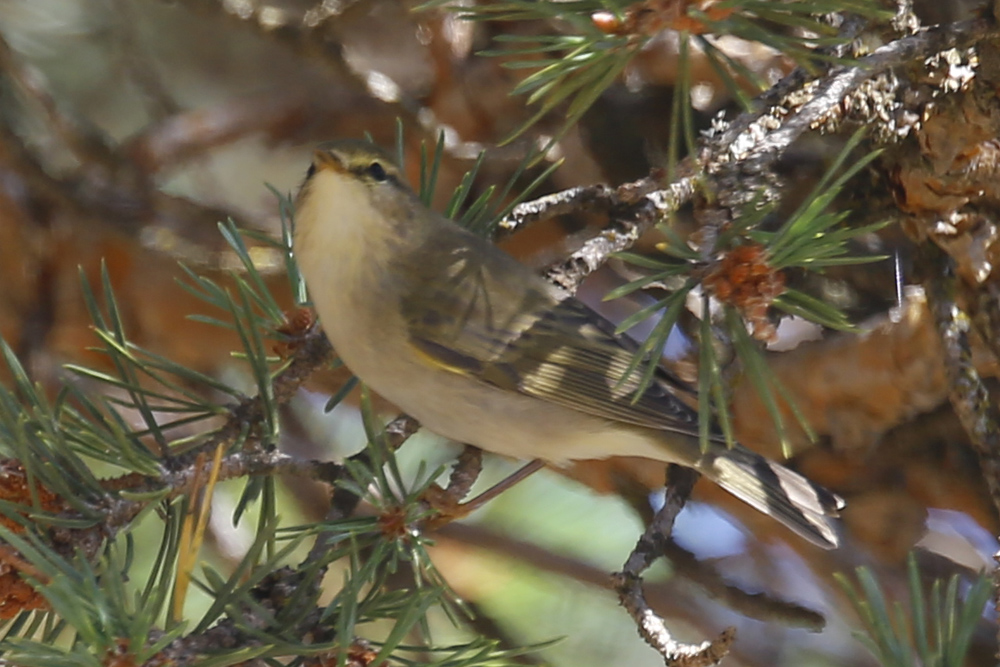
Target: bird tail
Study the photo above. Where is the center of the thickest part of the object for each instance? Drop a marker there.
(775, 490)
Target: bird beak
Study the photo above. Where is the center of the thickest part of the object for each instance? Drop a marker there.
(328, 160)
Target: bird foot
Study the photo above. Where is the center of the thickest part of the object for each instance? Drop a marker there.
(449, 508)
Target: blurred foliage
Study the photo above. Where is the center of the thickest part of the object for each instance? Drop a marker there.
(933, 631)
(599, 38)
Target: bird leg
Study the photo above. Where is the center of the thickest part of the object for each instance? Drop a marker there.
(448, 501)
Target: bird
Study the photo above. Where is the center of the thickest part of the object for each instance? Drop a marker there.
(484, 351)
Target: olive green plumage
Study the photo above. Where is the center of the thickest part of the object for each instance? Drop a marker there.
(482, 350)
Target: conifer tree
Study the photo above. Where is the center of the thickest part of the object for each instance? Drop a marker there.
(870, 141)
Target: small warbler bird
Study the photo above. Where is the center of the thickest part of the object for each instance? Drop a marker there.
(483, 351)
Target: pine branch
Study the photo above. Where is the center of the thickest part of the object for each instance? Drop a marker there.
(747, 148)
(630, 219)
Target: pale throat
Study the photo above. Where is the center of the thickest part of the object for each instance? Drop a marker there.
(337, 228)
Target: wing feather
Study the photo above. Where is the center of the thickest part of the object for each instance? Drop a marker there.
(504, 326)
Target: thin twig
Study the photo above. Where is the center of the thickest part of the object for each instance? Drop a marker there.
(119, 512)
(313, 352)
(465, 473)
(628, 222)
(270, 596)
(574, 200)
(628, 582)
(344, 501)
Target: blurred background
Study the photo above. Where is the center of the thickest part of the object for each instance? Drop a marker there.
(130, 128)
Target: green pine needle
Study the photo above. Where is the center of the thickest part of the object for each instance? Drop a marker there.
(934, 631)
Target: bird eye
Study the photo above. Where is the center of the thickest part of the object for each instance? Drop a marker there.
(377, 171)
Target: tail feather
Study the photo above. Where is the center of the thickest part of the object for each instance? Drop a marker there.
(775, 490)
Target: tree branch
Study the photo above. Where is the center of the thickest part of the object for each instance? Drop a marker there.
(628, 582)
(630, 219)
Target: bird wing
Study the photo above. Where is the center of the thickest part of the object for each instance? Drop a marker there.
(486, 316)
(474, 314)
